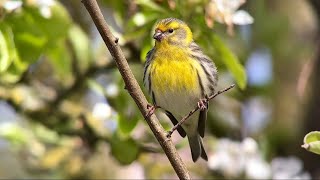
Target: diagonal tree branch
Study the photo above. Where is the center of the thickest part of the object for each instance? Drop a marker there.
(134, 89)
(197, 108)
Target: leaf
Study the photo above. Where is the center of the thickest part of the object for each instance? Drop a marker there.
(231, 61)
(124, 150)
(14, 133)
(55, 156)
(33, 33)
(48, 26)
(29, 40)
(150, 5)
(61, 60)
(128, 120)
(128, 111)
(5, 60)
(81, 47)
(312, 142)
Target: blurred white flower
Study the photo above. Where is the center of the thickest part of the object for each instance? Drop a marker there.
(112, 90)
(230, 164)
(12, 5)
(139, 19)
(225, 11)
(288, 168)
(242, 17)
(233, 159)
(257, 168)
(45, 7)
(259, 67)
(256, 113)
(249, 146)
(101, 111)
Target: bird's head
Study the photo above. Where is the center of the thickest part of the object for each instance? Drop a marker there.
(172, 31)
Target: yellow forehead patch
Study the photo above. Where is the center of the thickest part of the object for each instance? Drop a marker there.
(163, 25)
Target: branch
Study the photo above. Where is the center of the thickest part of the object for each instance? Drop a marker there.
(134, 89)
(197, 108)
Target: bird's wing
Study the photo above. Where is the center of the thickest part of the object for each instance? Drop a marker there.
(207, 65)
(146, 75)
(208, 85)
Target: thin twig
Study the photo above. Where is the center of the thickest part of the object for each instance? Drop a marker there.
(134, 89)
(197, 108)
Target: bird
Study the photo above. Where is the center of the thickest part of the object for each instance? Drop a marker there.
(177, 76)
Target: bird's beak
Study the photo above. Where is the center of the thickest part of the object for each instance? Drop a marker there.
(158, 35)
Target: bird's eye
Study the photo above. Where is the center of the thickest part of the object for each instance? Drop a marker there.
(170, 30)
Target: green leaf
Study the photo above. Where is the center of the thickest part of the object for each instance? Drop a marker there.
(128, 120)
(60, 58)
(128, 111)
(312, 142)
(14, 133)
(33, 33)
(5, 60)
(11, 65)
(231, 61)
(81, 47)
(150, 5)
(29, 40)
(124, 150)
(54, 27)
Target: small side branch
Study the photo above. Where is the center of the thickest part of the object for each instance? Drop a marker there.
(197, 108)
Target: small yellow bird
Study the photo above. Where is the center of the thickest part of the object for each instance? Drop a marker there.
(177, 75)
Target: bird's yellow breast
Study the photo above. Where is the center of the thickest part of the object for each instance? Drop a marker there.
(173, 71)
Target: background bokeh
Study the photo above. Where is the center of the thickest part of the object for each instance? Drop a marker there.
(64, 112)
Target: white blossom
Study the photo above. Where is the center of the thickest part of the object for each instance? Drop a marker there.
(12, 5)
(225, 12)
(101, 111)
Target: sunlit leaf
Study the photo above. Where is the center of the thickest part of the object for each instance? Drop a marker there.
(312, 142)
(55, 156)
(129, 116)
(54, 27)
(45, 134)
(33, 33)
(80, 43)
(5, 60)
(14, 133)
(28, 38)
(60, 58)
(124, 150)
(231, 61)
(151, 5)
(128, 120)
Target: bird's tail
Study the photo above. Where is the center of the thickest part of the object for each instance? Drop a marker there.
(197, 148)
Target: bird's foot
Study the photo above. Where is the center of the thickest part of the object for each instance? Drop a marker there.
(202, 104)
(151, 109)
